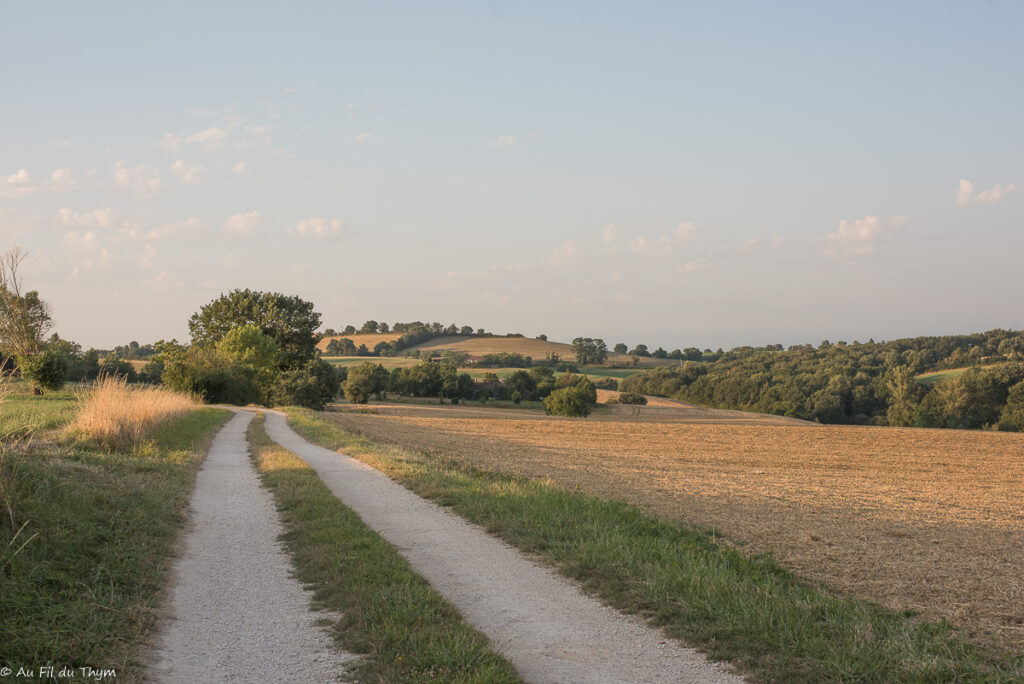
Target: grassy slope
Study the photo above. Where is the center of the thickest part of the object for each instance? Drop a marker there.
(746, 610)
(102, 526)
(409, 632)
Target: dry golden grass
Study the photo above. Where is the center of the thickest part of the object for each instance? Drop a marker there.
(369, 340)
(924, 520)
(118, 415)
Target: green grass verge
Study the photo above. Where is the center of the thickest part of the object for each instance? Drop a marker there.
(749, 611)
(101, 526)
(391, 614)
(22, 413)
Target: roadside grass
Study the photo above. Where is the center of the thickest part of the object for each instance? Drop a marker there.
(388, 612)
(747, 610)
(100, 527)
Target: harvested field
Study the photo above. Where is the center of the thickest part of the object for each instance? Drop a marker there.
(929, 521)
(527, 346)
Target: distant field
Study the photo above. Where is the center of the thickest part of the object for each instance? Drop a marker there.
(933, 377)
(386, 361)
(927, 521)
(478, 346)
(370, 341)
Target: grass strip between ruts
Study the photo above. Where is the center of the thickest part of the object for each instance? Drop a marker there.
(745, 610)
(408, 632)
(101, 526)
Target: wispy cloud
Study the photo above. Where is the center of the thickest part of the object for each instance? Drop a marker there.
(967, 194)
(240, 168)
(235, 132)
(185, 173)
(143, 180)
(98, 218)
(504, 141)
(564, 254)
(859, 237)
(365, 136)
(318, 228)
(244, 225)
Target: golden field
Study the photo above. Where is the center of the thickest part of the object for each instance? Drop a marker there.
(930, 521)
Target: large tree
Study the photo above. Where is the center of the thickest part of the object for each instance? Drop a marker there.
(288, 320)
(589, 350)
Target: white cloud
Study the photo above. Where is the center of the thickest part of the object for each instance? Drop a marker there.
(966, 193)
(62, 179)
(210, 139)
(146, 256)
(99, 218)
(66, 142)
(564, 253)
(317, 227)
(239, 168)
(244, 224)
(171, 141)
(609, 233)
(185, 173)
(143, 181)
(190, 226)
(858, 237)
(17, 185)
(365, 136)
(504, 141)
(684, 231)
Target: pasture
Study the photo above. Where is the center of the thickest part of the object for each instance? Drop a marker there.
(927, 522)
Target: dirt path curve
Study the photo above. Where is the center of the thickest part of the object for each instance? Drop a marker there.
(547, 628)
(236, 613)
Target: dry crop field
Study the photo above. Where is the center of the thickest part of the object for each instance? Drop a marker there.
(930, 521)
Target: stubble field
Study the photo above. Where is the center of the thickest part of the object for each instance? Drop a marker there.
(928, 521)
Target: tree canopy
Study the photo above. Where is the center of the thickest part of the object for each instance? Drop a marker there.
(288, 320)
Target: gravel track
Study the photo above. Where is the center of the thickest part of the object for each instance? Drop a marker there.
(547, 628)
(236, 612)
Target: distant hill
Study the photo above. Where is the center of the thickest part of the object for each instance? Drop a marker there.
(370, 340)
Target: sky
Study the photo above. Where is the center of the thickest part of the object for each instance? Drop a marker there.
(677, 174)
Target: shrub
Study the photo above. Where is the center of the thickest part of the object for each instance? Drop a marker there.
(607, 384)
(568, 401)
(119, 369)
(207, 374)
(46, 369)
(632, 398)
(311, 386)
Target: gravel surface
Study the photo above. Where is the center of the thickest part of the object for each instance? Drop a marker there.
(547, 628)
(236, 613)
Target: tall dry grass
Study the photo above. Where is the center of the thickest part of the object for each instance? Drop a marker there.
(117, 415)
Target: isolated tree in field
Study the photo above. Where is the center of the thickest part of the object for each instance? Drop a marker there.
(369, 328)
(590, 351)
(621, 348)
(362, 381)
(349, 330)
(902, 396)
(288, 320)
(383, 328)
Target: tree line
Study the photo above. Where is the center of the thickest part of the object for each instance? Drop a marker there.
(861, 383)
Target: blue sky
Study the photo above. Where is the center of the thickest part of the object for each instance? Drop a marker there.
(676, 174)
